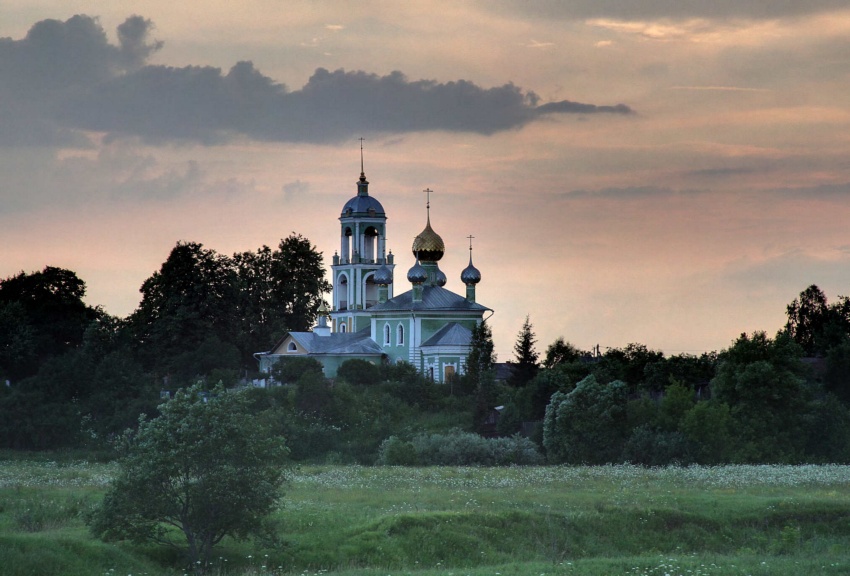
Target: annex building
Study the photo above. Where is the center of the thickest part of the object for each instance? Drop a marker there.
(426, 325)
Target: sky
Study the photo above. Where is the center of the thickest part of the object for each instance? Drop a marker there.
(667, 172)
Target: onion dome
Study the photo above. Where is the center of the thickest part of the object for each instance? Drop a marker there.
(428, 245)
(383, 275)
(440, 278)
(417, 274)
(470, 274)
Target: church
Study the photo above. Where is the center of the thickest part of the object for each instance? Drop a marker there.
(428, 326)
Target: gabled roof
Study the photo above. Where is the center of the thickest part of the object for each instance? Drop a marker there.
(336, 343)
(434, 298)
(452, 334)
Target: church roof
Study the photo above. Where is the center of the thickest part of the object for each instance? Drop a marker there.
(362, 205)
(434, 298)
(338, 343)
(452, 334)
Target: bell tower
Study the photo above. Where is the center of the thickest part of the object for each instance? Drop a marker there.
(362, 253)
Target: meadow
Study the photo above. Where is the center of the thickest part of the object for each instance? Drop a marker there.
(355, 520)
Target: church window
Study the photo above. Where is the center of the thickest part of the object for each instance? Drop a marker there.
(400, 335)
(342, 327)
(292, 347)
(342, 292)
(370, 291)
(386, 334)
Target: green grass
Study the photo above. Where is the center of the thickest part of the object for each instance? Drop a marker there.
(352, 520)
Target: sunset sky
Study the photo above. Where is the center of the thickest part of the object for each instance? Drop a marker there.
(669, 172)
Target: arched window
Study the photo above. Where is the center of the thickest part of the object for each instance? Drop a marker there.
(292, 347)
(386, 334)
(342, 292)
(399, 339)
(370, 291)
(342, 327)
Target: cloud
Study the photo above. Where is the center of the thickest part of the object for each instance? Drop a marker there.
(295, 190)
(652, 9)
(66, 76)
(55, 60)
(565, 106)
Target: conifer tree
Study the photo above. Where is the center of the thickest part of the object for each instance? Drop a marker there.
(525, 365)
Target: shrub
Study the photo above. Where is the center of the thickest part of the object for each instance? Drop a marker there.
(359, 372)
(458, 448)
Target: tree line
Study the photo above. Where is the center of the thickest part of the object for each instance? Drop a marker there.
(75, 373)
(78, 376)
(784, 399)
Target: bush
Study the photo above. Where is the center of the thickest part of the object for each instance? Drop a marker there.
(359, 372)
(458, 448)
(656, 447)
(289, 370)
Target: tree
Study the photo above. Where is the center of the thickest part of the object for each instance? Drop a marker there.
(203, 468)
(42, 314)
(587, 425)
(629, 364)
(190, 299)
(560, 352)
(808, 316)
(525, 366)
(480, 375)
(761, 381)
(298, 282)
(279, 291)
(481, 357)
(814, 324)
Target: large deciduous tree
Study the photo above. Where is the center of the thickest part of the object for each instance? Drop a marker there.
(201, 470)
(815, 324)
(192, 298)
(42, 314)
(280, 291)
(761, 380)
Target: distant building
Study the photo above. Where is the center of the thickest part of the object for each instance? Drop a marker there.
(427, 326)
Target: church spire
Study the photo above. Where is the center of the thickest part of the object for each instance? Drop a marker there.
(362, 184)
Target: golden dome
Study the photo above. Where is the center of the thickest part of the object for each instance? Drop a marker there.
(428, 245)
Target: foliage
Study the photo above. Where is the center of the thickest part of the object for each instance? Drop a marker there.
(279, 291)
(525, 364)
(480, 374)
(189, 300)
(709, 428)
(359, 372)
(202, 469)
(458, 448)
(761, 381)
(651, 447)
(231, 306)
(814, 324)
(587, 425)
(628, 364)
(42, 315)
(561, 352)
(289, 370)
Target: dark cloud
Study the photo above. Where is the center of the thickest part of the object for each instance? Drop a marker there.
(55, 61)
(66, 75)
(565, 106)
(657, 9)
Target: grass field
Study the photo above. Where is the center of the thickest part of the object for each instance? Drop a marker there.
(350, 520)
